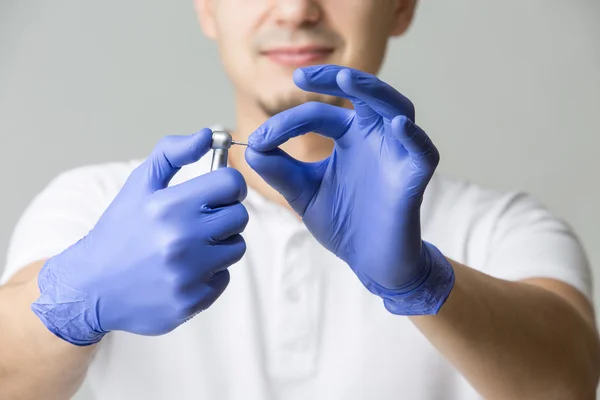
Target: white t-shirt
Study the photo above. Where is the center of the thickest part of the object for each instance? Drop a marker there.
(295, 323)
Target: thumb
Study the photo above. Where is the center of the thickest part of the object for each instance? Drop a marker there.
(297, 181)
(172, 153)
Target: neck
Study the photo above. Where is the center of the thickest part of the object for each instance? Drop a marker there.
(249, 116)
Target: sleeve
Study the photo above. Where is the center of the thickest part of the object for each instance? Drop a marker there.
(59, 216)
(528, 242)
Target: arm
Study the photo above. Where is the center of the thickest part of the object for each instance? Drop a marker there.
(510, 339)
(35, 364)
(157, 256)
(517, 340)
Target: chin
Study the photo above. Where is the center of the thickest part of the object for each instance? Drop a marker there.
(280, 102)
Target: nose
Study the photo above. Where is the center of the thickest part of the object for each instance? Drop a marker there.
(297, 13)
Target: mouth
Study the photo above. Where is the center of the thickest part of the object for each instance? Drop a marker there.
(298, 56)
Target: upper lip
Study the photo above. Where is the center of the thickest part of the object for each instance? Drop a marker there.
(298, 49)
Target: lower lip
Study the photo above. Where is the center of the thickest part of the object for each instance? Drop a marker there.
(297, 59)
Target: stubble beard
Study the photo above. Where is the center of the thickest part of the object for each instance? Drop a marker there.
(283, 103)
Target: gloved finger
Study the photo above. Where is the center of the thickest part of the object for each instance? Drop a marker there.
(380, 96)
(215, 189)
(325, 119)
(297, 181)
(232, 250)
(223, 254)
(323, 79)
(204, 294)
(225, 222)
(169, 155)
(421, 150)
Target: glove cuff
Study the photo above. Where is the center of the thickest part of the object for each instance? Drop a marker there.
(64, 310)
(431, 291)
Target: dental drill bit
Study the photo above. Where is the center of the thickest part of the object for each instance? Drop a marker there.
(221, 143)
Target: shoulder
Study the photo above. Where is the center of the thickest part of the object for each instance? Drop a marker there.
(85, 185)
(63, 212)
(465, 200)
(472, 221)
(510, 235)
(80, 193)
(105, 174)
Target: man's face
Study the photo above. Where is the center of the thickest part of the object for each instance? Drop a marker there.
(262, 42)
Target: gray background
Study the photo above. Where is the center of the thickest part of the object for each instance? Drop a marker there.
(509, 91)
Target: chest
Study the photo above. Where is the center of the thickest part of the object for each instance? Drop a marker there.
(294, 323)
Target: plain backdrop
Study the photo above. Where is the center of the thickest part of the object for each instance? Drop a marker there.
(509, 91)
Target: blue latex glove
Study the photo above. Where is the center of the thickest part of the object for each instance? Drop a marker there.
(363, 202)
(157, 256)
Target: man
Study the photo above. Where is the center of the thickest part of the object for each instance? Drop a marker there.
(394, 283)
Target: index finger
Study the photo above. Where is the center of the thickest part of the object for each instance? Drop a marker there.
(214, 189)
(324, 119)
(355, 85)
(323, 79)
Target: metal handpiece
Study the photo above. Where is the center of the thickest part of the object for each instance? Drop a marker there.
(221, 142)
(219, 159)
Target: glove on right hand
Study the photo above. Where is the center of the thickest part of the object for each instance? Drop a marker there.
(157, 256)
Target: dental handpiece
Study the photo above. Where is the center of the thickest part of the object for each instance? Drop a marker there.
(221, 143)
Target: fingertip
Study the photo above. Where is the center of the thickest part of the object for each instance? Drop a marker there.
(300, 79)
(258, 136)
(253, 158)
(204, 132)
(219, 282)
(403, 128)
(243, 186)
(249, 154)
(255, 141)
(201, 142)
(399, 122)
(344, 76)
(228, 183)
(204, 137)
(314, 76)
(347, 81)
(237, 181)
(266, 162)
